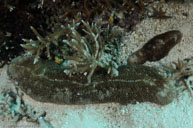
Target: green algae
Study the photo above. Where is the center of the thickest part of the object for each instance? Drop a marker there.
(45, 81)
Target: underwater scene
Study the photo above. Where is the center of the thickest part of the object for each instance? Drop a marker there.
(96, 63)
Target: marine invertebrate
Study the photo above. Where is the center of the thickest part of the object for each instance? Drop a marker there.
(90, 51)
(38, 46)
(46, 82)
(134, 83)
(178, 71)
(156, 48)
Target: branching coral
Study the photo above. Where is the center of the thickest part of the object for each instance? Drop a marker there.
(90, 51)
(86, 51)
(38, 46)
(179, 70)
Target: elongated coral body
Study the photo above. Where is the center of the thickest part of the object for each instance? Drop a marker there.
(156, 48)
(46, 82)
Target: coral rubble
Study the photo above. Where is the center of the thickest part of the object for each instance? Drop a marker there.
(12, 106)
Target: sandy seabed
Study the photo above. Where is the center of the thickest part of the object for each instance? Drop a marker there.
(177, 114)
